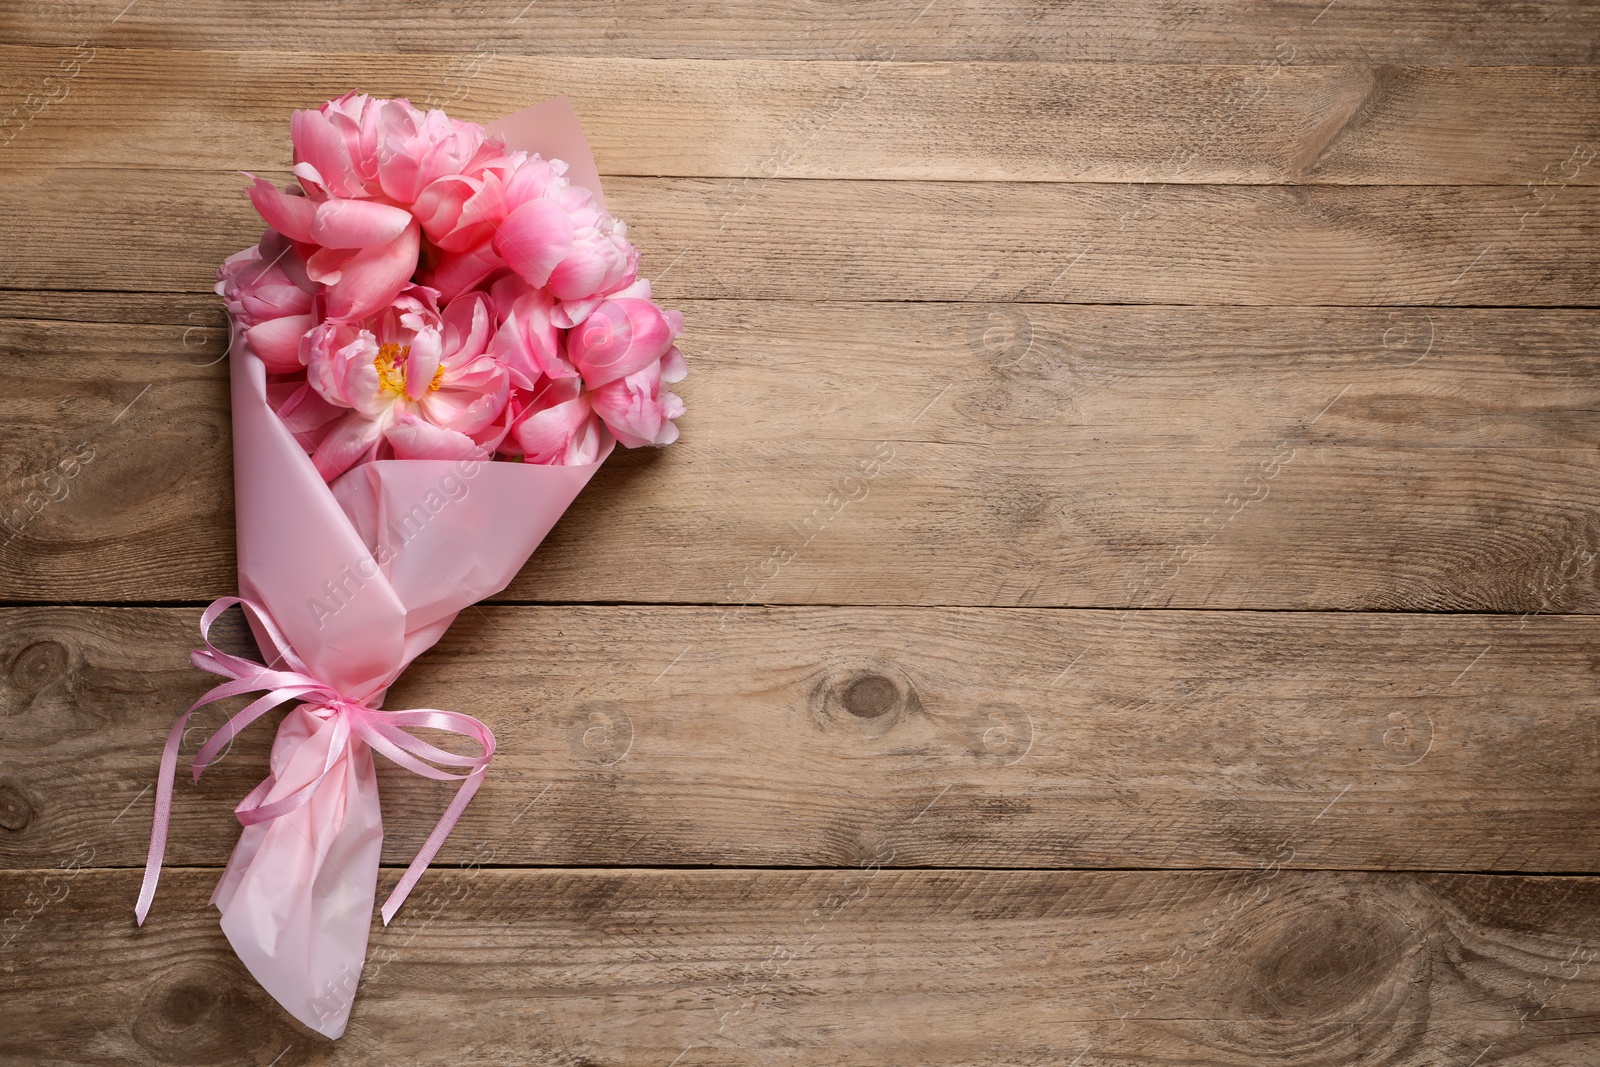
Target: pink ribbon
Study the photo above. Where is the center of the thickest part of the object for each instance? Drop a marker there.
(384, 731)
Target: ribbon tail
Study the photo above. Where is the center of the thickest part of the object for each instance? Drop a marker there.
(430, 847)
(158, 825)
(245, 676)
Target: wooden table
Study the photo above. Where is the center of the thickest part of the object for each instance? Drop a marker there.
(1124, 595)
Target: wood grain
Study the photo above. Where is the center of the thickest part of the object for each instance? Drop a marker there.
(809, 736)
(867, 966)
(919, 454)
(757, 119)
(1126, 592)
(124, 229)
(1430, 32)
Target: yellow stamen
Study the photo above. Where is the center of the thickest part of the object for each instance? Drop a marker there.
(391, 378)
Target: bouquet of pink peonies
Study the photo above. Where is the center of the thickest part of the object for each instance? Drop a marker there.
(434, 294)
(436, 343)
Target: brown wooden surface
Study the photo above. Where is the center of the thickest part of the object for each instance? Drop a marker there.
(1345, 124)
(1431, 32)
(798, 736)
(1095, 243)
(866, 965)
(1126, 592)
(1038, 455)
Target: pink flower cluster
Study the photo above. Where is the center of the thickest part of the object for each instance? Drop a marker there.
(427, 294)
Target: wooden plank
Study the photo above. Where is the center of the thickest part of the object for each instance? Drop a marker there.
(65, 305)
(866, 966)
(1433, 32)
(887, 453)
(853, 240)
(949, 121)
(808, 736)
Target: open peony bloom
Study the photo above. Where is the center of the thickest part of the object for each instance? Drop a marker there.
(361, 147)
(418, 384)
(374, 173)
(426, 293)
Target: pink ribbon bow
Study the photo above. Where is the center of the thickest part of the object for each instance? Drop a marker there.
(384, 731)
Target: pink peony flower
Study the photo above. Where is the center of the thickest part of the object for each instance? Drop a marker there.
(624, 334)
(554, 235)
(611, 366)
(376, 174)
(336, 147)
(528, 342)
(636, 409)
(363, 251)
(266, 290)
(459, 213)
(554, 424)
(425, 292)
(600, 262)
(416, 149)
(417, 383)
(360, 147)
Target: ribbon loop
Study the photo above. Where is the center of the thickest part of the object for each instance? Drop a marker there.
(382, 731)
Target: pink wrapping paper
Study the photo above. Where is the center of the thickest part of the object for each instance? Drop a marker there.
(361, 577)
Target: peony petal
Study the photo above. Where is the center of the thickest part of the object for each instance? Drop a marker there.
(340, 365)
(347, 442)
(534, 239)
(469, 402)
(373, 277)
(556, 433)
(536, 179)
(586, 443)
(483, 212)
(673, 367)
(637, 411)
(620, 338)
(414, 438)
(456, 272)
(671, 408)
(490, 437)
(290, 215)
(277, 342)
(310, 181)
(357, 223)
(529, 344)
(326, 265)
(319, 143)
(468, 328)
(600, 263)
(640, 288)
(289, 258)
(438, 207)
(570, 313)
(504, 292)
(397, 128)
(303, 410)
(422, 363)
